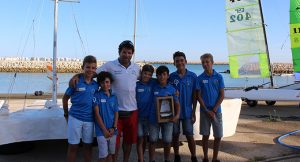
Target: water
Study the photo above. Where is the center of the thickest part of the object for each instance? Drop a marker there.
(31, 82)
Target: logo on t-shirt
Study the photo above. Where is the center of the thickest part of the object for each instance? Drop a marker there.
(176, 81)
(80, 89)
(103, 100)
(204, 81)
(140, 90)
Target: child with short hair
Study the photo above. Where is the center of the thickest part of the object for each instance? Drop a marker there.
(80, 116)
(162, 89)
(106, 117)
(144, 98)
(210, 85)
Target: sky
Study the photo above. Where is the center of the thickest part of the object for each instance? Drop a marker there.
(163, 27)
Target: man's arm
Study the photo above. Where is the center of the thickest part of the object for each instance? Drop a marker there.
(74, 80)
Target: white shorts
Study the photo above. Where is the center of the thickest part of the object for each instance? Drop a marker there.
(106, 146)
(79, 129)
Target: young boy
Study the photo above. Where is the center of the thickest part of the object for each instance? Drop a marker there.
(80, 116)
(144, 98)
(211, 94)
(184, 81)
(163, 89)
(106, 117)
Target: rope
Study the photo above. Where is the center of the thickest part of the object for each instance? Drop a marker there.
(77, 30)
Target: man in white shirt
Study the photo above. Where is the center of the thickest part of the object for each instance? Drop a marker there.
(125, 74)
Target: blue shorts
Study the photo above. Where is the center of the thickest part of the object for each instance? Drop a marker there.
(166, 130)
(187, 127)
(206, 122)
(79, 129)
(143, 127)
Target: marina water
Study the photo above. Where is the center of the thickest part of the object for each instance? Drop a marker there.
(31, 82)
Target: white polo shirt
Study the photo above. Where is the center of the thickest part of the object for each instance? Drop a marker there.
(124, 83)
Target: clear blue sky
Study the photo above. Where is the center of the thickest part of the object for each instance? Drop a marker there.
(164, 26)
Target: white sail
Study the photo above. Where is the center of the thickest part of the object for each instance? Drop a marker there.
(246, 41)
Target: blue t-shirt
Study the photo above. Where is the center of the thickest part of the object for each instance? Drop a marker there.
(144, 97)
(210, 87)
(108, 105)
(185, 86)
(159, 91)
(82, 99)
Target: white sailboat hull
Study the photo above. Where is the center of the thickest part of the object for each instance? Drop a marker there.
(265, 94)
(46, 124)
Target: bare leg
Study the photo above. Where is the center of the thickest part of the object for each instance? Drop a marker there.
(205, 146)
(192, 145)
(140, 149)
(217, 142)
(167, 148)
(151, 151)
(176, 144)
(87, 149)
(72, 152)
(126, 151)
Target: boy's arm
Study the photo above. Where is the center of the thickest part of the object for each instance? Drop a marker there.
(194, 106)
(65, 100)
(114, 127)
(219, 101)
(177, 110)
(100, 121)
(200, 100)
(116, 119)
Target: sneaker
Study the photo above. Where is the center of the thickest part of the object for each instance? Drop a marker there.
(177, 158)
(194, 159)
(205, 160)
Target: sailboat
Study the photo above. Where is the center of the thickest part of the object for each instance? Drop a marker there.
(249, 54)
(36, 123)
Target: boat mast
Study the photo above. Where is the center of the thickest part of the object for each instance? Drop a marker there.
(54, 59)
(54, 75)
(266, 43)
(134, 26)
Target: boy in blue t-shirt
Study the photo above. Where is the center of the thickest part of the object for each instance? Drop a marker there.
(106, 117)
(162, 89)
(184, 81)
(144, 98)
(80, 116)
(211, 94)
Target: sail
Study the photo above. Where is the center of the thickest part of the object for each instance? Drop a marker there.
(247, 49)
(295, 35)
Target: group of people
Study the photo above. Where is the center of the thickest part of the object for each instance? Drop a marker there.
(122, 103)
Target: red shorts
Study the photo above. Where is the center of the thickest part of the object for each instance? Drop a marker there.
(127, 128)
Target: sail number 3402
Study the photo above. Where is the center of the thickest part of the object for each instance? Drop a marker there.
(240, 15)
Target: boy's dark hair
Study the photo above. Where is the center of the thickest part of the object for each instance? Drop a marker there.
(207, 55)
(88, 60)
(161, 69)
(103, 75)
(148, 68)
(178, 54)
(126, 44)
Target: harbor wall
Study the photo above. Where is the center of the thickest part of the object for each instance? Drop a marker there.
(74, 66)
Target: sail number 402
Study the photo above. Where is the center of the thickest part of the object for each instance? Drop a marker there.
(240, 16)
